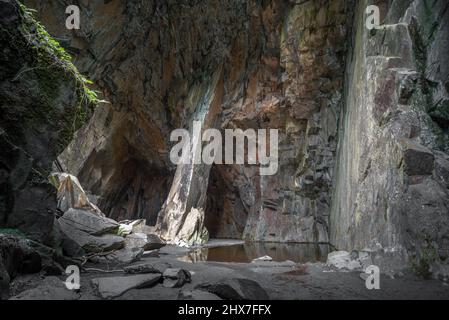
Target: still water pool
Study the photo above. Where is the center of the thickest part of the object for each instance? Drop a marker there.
(246, 252)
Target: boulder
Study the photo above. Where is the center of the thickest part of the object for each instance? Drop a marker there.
(151, 254)
(71, 194)
(144, 241)
(111, 287)
(89, 222)
(236, 289)
(136, 240)
(50, 289)
(418, 160)
(154, 242)
(175, 277)
(78, 242)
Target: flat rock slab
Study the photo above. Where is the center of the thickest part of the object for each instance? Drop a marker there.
(111, 287)
(89, 222)
(156, 267)
(123, 256)
(154, 242)
(51, 288)
(76, 241)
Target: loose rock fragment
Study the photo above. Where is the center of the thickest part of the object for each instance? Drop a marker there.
(176, 278)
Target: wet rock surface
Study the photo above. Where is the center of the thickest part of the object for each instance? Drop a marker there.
(279, 280)
(157, 267)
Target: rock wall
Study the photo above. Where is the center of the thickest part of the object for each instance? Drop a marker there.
(391, 185)
(308, 68)
(43, 101)
(283, 66)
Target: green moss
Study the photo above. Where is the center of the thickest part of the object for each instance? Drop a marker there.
(51, 58)
(52, 68)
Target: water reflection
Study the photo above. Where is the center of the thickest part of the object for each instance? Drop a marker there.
(297, 252)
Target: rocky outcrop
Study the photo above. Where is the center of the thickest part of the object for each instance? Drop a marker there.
(390, 187)
(43, 101)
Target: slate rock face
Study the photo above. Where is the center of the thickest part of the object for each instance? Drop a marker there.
(85, 232)
(88, 222)
(112, 287)
(390, 184)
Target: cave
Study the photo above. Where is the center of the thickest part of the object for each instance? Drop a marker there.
(226, 214)
(87, 124)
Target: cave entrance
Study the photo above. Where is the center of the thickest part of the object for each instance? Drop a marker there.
(134, 190)
(140, 194)
(225, 214)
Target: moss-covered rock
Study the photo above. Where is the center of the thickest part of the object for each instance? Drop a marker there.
(43, 101)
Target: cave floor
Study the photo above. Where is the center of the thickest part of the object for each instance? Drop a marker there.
(281, 280)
